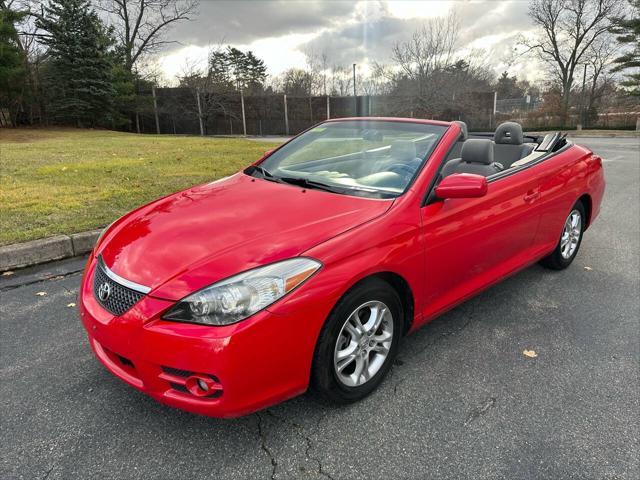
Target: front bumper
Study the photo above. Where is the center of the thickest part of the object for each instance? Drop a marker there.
(251, 365)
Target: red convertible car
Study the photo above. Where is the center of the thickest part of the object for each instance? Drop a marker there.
(306, 269)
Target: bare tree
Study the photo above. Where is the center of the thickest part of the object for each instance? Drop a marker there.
(297, 82)
(430, 49)
(568, 29)
(317, 69)
(209, 97)
(140, 25)
(341, 82)
(383, 78)
(600, 79)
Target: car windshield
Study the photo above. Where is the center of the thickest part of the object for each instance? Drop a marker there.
(370, 158)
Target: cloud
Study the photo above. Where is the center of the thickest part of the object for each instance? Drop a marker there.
(483, 25)
(480, 19)
(242, 22)
(370, 40)
(281, 32)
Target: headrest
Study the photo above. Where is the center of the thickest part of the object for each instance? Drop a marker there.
(403, 150)
(477, 150)
(463, 127)
(509, 133)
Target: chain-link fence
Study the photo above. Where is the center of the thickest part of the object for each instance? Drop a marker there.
(512, 105)
(188, 111)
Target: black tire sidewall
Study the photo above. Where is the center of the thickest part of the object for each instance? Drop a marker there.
(323, 378)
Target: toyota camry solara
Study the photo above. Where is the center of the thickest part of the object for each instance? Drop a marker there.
(305, 270)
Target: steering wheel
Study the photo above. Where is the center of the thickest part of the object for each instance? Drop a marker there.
(401, 169)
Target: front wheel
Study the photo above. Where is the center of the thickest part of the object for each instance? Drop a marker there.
(358, 343)
(570, 240)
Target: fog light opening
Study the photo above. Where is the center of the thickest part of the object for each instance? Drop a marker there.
(203, 385)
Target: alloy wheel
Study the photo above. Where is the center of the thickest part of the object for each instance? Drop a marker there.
(363, 344)
(571, 234)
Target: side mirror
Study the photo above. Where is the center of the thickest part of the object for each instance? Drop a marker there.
(462, 185)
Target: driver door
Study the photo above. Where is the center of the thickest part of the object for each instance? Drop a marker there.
(471, 243)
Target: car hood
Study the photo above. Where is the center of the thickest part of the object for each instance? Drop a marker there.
(191, 239)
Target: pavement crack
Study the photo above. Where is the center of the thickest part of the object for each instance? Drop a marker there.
(397, 385)
(71, 291)
(46, 475)
(309, 443)
(478, 412)
(468, 322)
(41, 280)
(265, 449)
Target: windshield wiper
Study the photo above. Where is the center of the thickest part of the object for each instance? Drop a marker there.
(305, 182)
(263, 171)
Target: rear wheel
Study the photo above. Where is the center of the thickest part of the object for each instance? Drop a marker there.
(570, 240)
(358, 343)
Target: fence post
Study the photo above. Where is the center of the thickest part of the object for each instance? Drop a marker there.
(286, 116)
(155, 109)
(495, 105)
(328, 108)
(200, 113)
(244, 120)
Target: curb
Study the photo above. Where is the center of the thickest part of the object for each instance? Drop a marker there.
(604, 135)
(20, 255)
(591, 134)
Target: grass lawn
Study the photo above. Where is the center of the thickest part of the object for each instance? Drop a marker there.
(56, 181)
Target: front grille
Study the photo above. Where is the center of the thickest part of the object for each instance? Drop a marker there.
(120, 298)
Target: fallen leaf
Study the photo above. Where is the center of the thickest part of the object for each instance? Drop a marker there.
(529, 353)
(7, 273)
(588, 268)
(71, 304)
(41, 294)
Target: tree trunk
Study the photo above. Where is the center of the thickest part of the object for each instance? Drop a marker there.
(566, 98)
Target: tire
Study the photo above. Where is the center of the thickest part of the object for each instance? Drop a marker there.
(561, 258)
(337, 339)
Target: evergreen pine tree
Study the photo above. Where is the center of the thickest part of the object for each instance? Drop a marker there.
(12, 71)
(79, 69)
(628, 32)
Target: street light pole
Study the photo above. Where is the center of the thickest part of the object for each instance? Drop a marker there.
(354, 79)
(355, 98)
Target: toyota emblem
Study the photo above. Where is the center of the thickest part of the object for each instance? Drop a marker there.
(104, 291)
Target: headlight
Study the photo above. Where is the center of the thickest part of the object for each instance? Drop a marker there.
(240, 296)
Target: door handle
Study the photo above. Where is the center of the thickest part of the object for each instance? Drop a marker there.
(531, 196)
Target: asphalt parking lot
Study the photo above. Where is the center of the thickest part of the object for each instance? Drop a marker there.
(462, 401)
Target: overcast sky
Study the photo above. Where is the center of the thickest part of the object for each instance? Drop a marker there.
(281, 31)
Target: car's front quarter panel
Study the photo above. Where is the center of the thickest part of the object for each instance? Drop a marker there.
(259, 361)
(390, 244)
